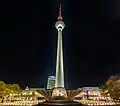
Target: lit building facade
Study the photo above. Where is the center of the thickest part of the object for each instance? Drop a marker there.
(92, 93)
(26, 97)
(51, 82)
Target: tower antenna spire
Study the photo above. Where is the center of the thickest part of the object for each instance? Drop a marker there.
(60, 13)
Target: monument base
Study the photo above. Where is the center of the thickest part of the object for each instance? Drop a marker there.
(59, 97)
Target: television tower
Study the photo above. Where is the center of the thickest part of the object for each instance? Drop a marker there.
(59, 62)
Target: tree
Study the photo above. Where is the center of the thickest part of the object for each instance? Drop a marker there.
(8, 89)
(112, 87)
(2, 88)
(12, 89)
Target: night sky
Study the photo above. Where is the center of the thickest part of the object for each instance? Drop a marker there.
(28, 41)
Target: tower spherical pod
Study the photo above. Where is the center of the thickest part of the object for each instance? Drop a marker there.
(59, 25)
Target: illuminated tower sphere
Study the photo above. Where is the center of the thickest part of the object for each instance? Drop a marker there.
(59, 62)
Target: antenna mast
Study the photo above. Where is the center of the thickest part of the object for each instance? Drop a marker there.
(60, 13)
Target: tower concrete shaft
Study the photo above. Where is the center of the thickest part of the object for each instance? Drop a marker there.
(59, 62)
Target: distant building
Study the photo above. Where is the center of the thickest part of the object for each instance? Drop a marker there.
(36, 89)
(92, 93)
(51, 82)
(90, 88)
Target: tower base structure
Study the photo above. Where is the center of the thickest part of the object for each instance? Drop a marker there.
(59, 92)
(59, 97)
